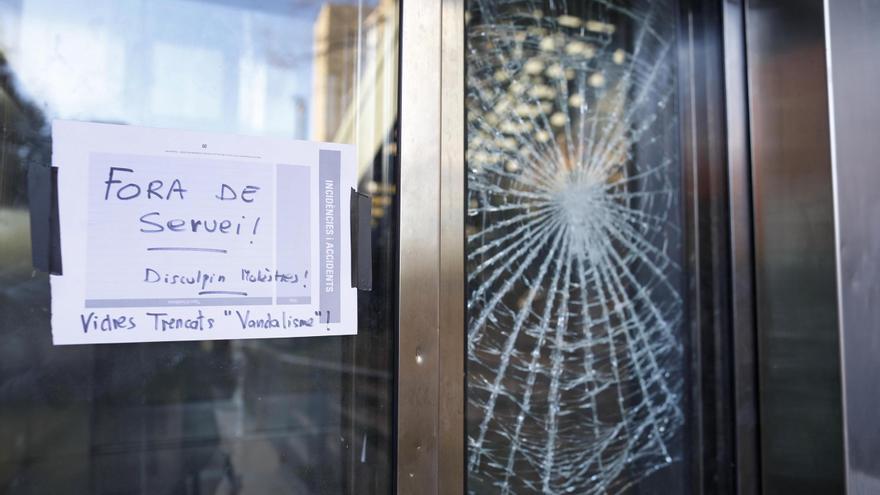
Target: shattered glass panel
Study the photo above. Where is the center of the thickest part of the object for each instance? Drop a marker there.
(576, 330)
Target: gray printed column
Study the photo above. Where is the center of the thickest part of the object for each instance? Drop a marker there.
(330, 230)
(293, 241)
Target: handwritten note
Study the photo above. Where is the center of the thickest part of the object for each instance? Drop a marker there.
(171, 235)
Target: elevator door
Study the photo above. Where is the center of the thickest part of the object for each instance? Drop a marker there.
(595, 255)
(302, 415)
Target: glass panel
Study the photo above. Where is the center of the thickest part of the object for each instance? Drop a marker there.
(250, 416)
(575, 263)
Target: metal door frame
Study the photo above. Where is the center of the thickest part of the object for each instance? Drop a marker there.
(431, 352)
(742, 286)
(854, 106)
(797, 319)
(430, 414)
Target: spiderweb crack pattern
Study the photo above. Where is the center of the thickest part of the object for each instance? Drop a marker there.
(575, 310)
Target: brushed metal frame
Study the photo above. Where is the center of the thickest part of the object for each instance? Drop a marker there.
(430, 416)
(419, 324)
(705, 33)
(452, 251)
(745, 387)
(795, 277)
(431, 370)
(854, 106)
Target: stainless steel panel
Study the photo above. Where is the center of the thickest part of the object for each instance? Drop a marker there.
(799, 378)
(745, 414)
(431, 359)
(852, 39)
(451, 401)
(418, 346)
(708, 246)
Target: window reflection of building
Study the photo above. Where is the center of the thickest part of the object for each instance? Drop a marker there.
(358, 94)
(365, 114)
(215, 65)
(335, 66)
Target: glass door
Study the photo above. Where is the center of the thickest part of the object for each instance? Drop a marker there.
(595, 249)
(576, 315)
(301, 415)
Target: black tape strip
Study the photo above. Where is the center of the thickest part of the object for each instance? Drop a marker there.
(361, 241)
(43, 204)
(54, 227)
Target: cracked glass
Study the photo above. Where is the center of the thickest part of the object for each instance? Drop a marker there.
(575, 289)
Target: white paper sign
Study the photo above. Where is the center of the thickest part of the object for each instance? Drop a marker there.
(170, 235)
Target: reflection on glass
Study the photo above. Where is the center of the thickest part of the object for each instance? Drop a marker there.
(574, 248)
(258, 416)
